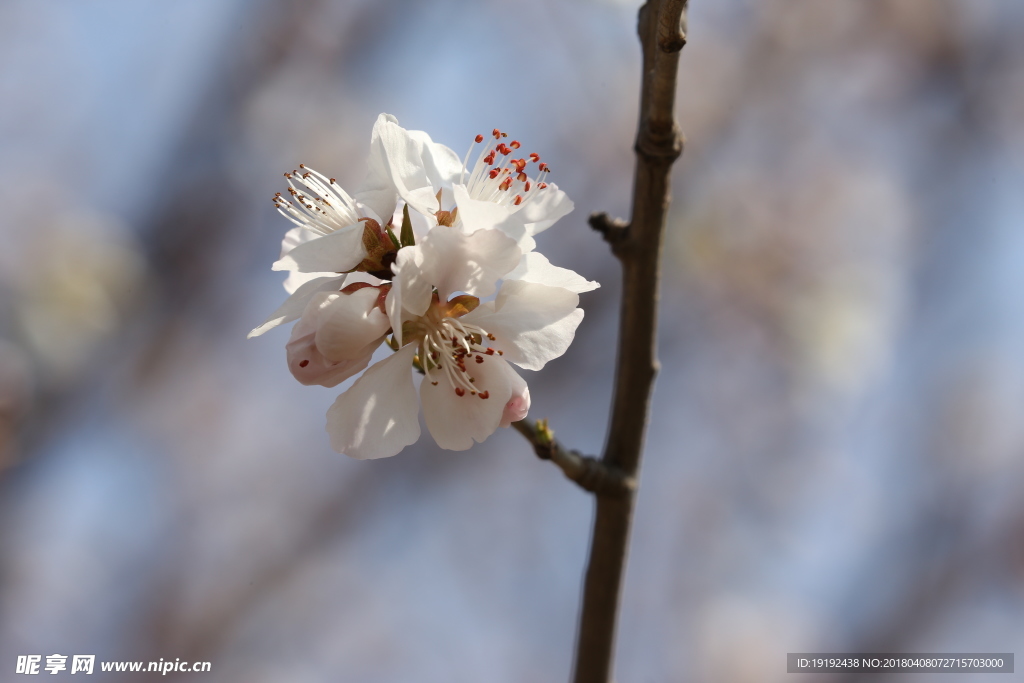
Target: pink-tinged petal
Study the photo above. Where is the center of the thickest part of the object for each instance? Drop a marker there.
(456, 421)
(453, 261)
(294, 305)
(378, 416)
(309, 366)
(349, 324)
(535, 267)
(334, 252)
(541, 212)
(532, 323)
(518, 405)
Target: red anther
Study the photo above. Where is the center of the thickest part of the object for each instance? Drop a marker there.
(489, 351)
(534, 157)
(333, 180)
(527, 188)
(302, 166)
(519, 200)
(490, 336)
(494, 173)
(479, 359)
(505, 184)
(514, 144)
(496, 133)
(459, 391)
(489, 159)
(521, 177)
(484, 394)
(479, 138)
(542, 186)
(303, 363)
(520, 164)
(504, 150)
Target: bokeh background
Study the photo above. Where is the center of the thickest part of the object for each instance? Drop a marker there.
(836, 453)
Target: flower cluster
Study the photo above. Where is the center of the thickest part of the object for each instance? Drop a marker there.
(456, 290)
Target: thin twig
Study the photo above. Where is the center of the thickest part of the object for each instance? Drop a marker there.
(662, 29)
(589, 472)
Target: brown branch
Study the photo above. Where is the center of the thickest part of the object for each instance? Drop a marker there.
(662, 30)
(589, 472)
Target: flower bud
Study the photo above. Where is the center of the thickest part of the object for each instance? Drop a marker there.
(336, 336)
(349, 324)
(519, 403)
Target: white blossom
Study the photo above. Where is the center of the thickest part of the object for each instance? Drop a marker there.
(461, 344)
(464, 297)
(497, 192)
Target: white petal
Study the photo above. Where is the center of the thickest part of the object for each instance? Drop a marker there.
(411, 279)
(397, 155)
(294, 305)
(518, 405)
(533, 323)
(475, 214)
(379, 201)
(308, 365)
(535, 267)
(335, 252)
(295, 279)
(541, 212)
(453, 261)
(296, 236)
(442, 165)
(456, 421)
(349, 324)
(378, 416)
(293, 238)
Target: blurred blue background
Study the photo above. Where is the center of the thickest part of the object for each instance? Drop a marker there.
(836, 453)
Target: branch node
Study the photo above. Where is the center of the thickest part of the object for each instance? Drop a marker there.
(660, 144)
(672, 26)
(614, 230)
(591, 474)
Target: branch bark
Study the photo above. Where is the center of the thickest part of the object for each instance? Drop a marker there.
(662, 29)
